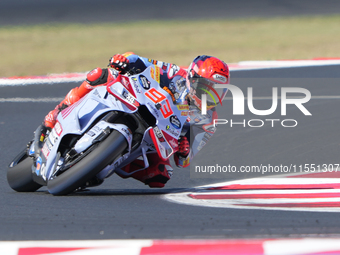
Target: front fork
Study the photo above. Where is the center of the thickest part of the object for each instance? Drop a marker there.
(123, 161)
(34, 147)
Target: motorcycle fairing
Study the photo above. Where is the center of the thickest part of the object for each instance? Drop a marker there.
(118, 90)
(75, 120)
(125, 95)
(148, 92)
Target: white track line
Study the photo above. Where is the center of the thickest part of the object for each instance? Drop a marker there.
(31, 100)
(288, 63)
(252, 203)
(240, 66)
(50, 80)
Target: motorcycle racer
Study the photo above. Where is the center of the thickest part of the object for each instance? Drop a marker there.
(202, 74)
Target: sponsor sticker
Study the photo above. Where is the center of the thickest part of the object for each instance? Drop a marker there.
(129, 97)
(184, 113)
(152, 61)
(125, 82)
(144, 82)
(58, 128)
(173, 143)
(45, 151)
(49, 144)
(152, 73)
(183, 107)
(220, 78)
(186, 162)
(174, 132)
(154, 110)
(175, 122)
(135, 85)
(155, 74)
(159, 134)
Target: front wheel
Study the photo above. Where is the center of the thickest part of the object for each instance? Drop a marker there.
(19, 174)
(89, 166)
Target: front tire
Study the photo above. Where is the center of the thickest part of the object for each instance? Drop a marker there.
(88, 167)
(19, 176)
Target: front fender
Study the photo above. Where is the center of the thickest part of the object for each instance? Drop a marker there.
(91, 136)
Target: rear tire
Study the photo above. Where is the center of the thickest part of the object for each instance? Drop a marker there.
(88, 167)
(20, 177)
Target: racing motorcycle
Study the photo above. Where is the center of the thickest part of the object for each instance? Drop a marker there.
(105, 130)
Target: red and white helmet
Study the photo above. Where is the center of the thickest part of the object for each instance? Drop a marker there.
(203, 74)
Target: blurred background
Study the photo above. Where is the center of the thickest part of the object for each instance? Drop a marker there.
(39, 37)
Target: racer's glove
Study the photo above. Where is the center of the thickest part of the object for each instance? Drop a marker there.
(183, 147)
(120, 63)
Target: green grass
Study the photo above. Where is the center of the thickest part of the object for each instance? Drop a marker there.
(40, 50)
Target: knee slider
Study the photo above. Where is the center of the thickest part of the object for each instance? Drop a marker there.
(97, 76)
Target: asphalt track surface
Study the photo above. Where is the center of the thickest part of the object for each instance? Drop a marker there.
(22, 12)
(125, 209)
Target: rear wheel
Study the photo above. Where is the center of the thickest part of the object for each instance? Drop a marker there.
(88, 167)
(19, 175)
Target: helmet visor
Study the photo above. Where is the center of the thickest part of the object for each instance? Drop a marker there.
(200, 86)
